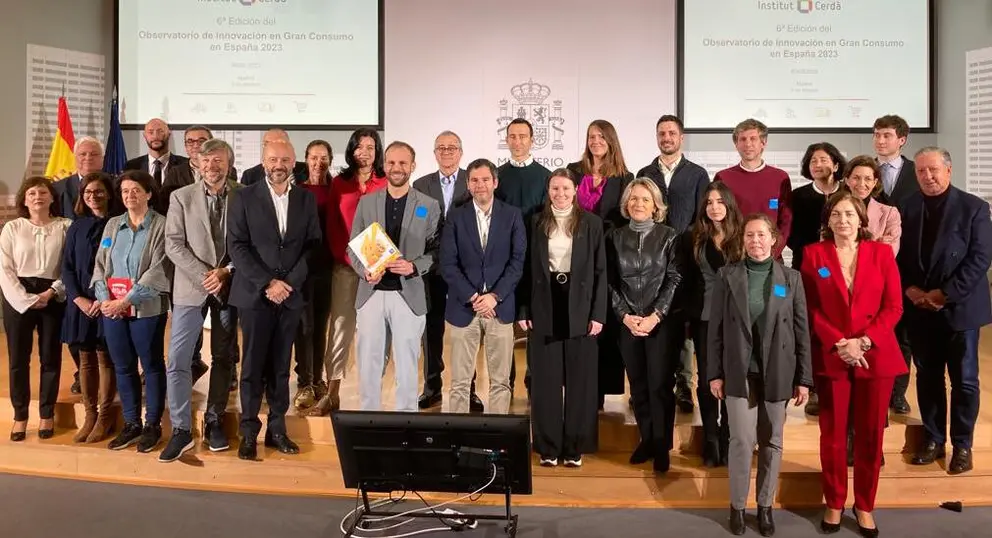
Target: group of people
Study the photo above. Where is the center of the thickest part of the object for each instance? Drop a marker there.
(609, 273)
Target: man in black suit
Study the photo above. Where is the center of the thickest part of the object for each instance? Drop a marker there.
(159, 159)
(448, 187)
(257, 173)
(944, 258)
(889, 135)
(683, 184)
(271, 229)
(187, 173)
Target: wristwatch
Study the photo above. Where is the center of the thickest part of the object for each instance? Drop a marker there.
(865, 343)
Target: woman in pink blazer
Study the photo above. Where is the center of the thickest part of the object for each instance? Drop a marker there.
(863, 178)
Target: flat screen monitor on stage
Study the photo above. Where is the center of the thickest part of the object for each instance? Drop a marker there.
(384, 451)
(251, 63)
(805, 64)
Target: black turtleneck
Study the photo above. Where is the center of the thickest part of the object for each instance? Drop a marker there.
(933, 213)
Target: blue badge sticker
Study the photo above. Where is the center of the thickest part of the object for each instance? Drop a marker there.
(105, 243)
(420, 212)
(773, 203)
(823, 272)
(779, 290)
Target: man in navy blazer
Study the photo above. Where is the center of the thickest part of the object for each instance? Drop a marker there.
(482, 259)
(944, 258)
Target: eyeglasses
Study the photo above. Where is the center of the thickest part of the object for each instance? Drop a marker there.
(195, 141)
(447, 149)
(100, 193)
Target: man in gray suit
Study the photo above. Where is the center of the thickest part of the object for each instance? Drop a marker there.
(448, 187)
(392, 304)
(195, 241)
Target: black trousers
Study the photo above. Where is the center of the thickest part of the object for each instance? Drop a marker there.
(268, 335)
(902, 336)
(433, 340)
(650, 362)
(311, 336)
(713, 412)
(569, 426)
(20, 329)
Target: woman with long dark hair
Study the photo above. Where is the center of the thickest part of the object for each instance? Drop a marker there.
(363, 175)
(562, 302)
(82, 330)
(601, 176)
(715, 239)
(31, 249)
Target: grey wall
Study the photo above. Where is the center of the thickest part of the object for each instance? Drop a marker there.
(87, 25)
(83, 25)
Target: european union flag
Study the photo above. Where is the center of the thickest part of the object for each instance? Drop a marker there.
(116, 154)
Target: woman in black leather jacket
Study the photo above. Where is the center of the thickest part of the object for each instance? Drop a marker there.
(643, 274)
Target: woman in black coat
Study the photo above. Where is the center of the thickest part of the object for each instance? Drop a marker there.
(562, 302)
(601, 176)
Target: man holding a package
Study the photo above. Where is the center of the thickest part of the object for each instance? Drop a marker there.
(393, 245)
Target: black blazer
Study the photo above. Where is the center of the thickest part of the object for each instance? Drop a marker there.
(66, 191)
(256, 174)
(685, 193)
(587, 293)
(609, 204)
(141, 163)
(431, 186)
(786, 358)
(260, 254)
(906, 184)
(959, 261)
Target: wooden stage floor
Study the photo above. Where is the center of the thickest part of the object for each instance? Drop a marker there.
(606, 479)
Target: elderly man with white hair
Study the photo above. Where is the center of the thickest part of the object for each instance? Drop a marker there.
(89, 159)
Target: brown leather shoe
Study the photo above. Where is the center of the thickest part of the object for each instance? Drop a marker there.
(89, 383)
(106, 417)
(329, 402)
(304, 398)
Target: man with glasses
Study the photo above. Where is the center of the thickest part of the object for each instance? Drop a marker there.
(448, 186)
(180, 176)
(159, 158)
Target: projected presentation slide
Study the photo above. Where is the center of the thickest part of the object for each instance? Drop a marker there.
(810, 64)
(249, 62)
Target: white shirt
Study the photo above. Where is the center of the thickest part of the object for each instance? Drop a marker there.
(758, 169)
(164, 159)
(282, 204)
(522, 164)
(27, 250)
(817, 188)
(483, 219)
(669, 172)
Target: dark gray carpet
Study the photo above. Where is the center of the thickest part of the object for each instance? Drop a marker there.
(43, 507)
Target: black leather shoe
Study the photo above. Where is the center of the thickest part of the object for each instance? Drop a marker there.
(642, 453)
(429, 399)
(683, 396)
(662, 462)
(737, 521)
(17, 437)
(766, 524)
(930, 453)
(198, 369)
(960, 461)
(711, 455)
(899, 405)
(47, 433)
(831, 528)
(475, 404)
(282, 443)
(248, 449)
(865, 531)
(812, 405)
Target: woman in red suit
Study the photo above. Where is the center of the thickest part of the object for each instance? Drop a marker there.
(853, 289)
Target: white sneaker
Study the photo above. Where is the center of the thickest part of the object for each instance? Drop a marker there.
(549, 462)
(573, 462)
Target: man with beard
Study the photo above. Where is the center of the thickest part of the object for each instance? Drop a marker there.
(271, 228)
(201, 283)
(683, 184)
(186, 174)
(257, 173)
(159, 158)
(392, 304)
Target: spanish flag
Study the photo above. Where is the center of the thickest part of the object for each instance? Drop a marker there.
(61, 161)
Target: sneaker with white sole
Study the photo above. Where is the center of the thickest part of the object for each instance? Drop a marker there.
(573, 462)
(549, 462)
(179, 444)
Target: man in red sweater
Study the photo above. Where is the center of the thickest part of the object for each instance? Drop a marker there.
(758, 187)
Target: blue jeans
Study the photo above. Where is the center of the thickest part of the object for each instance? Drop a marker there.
(128, 340)
(935, 348)
(184, 341)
